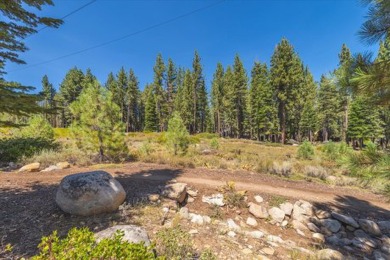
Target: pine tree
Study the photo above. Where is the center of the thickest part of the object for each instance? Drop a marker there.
(160, 93)
(70, 89)
(171, 85)
(19, 22)
(177, 135)
(365, 121)
(217, 93)
(328, 108)
(262, 110)
(199, 96)
(131, 97)
(187, 101)
(229, 104)
(344, 75)
(120, 92)
(151, 119)
(309, 118)
(240, 81)
(287, 80)
(48, 93)
(97, 123)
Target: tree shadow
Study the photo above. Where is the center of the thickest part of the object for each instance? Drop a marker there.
(27, 213)
(357, 209)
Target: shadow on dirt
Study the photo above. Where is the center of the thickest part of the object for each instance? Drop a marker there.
(27, 213)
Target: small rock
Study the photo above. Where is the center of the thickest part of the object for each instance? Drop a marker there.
(192, 193)
(334, 240)
(255, 234)
(299, 232)
(232, 225)
(312, 227)
(275, 239)
(345, 219)
(268, 250)
(318, 237)
(258, 211)
(276, 214)
(329, 254)
(32, 167)
(246, 251)
(379, 256)
(331, 224)
(287, 207)
(63, 165)
(370, 227)
(175, 191)
(190, 199)
(193, 232)
(284, 223)
(350, 228)
(298, 225)
(153, 197)
(360, 233)
(132, 234)
(207, 219)
(331, 179)
(183, 213)
(346, 241)
(321, 214)
(259, 199)
(384, 226)
(215, 199)
(251, 222)
(231, 234)
(195, 218)
(50, 168)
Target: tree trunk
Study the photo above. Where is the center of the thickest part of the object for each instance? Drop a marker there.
(282, 110)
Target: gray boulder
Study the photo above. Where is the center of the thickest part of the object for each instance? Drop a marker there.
(276, 214)
(331, 224)
(131, 233)
(89, 193)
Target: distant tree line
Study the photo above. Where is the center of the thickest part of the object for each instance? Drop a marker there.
(276, 103)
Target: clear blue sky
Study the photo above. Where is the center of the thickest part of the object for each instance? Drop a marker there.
(316, 28)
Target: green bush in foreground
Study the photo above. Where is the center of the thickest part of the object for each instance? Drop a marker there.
(306, 150)
(174, 243)
(81, 244)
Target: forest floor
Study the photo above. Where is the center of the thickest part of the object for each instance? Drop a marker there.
(28, 210)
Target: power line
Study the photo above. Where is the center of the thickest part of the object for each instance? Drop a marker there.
(73, 12)
(123, 37)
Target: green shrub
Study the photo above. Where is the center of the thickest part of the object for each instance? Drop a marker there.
(174, 243)
(214, 143)
(13, 150)
(207, 254)
(306, 150)
(146, 148)
(81, 244)
(38, 127)
(177, 135)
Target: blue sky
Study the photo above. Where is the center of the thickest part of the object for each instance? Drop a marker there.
(316, 28)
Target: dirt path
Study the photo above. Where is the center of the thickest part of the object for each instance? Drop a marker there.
(335, 197)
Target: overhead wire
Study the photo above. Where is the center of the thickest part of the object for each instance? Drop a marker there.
(151, 27)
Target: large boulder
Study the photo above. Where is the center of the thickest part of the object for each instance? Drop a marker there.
(32, 167)
(89, 193)
(276, 214)
(131, 233)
